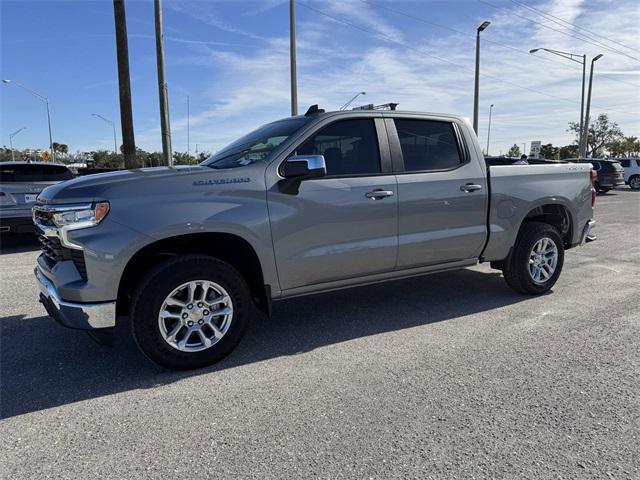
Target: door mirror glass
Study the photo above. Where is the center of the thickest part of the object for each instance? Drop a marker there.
(304, 166)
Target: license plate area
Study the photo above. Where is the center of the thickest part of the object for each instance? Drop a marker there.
(30, 197)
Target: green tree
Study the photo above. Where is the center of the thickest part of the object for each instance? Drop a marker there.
(602, 132)
(625, 147)
(105, 159)
(514, 151)
(181, 158)
(569, 151)
(549, 152)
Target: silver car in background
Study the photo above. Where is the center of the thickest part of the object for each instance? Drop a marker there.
(20, 184)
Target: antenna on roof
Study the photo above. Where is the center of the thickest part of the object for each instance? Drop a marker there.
(314, 110)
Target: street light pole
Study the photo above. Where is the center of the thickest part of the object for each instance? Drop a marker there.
(489, 131)
(292, 58)
(476, 93)
(44, 99)
(113, 125)
(124, 85)
(162, 87)
(583, 61)
(585, 135)
(11, 141)
(188, 136)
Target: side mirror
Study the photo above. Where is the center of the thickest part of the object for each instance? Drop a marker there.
(298, 168)
(304, 166)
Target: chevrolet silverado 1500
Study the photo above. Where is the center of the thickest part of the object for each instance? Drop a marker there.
(307, 204)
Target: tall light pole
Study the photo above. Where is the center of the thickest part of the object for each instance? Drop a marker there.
(476, 92)
(524, 148)
(489, 131)
(350, 101)
(292, 57)
(585, 135)
(11, 141)
(581, 59)
(44, 99)
(188, 121)
(124, 85)
(162, 87)
(113, 125)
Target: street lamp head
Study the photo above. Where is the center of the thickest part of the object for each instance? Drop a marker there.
(491, 106)
(597, 57)
(4, 80)
(534, 50)
(363, 93)
(484, 25)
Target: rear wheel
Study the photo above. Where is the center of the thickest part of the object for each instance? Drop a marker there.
(634, 182)
(537, 259)
(190, 312)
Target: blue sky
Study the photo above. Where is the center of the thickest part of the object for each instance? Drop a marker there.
(231, 58)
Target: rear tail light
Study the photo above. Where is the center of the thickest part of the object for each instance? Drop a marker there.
(2, 194)
(594, 177)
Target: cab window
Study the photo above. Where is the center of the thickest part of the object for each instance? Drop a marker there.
(349, 147)
(427, 145)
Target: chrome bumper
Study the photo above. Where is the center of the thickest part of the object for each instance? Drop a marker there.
(586, 233)
(82, 316)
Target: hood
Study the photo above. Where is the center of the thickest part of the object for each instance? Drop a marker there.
(91, 187)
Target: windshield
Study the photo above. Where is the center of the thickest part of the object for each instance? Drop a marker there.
(256, 145)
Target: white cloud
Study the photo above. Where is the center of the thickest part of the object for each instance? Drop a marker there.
(535, 96)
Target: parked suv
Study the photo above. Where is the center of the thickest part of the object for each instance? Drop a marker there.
(631, 168)
(610, 172)
(20, 184)
(303, 205)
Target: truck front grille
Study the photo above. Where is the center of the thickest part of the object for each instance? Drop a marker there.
(54, 252)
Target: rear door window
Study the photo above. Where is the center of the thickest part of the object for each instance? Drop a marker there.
(33, 172)
(428, 145)
(625, 163)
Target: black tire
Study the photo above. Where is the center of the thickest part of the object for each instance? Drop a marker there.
(160, 282)
(634, 182)
(604, 190)
(516, 271)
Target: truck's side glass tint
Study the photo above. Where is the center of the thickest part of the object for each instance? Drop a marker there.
(350, 147)
(427, 145)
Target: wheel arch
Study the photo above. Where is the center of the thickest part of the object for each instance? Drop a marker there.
(556, 214)
(231, 248)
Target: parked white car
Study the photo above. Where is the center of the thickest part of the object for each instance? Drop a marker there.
(631, 171)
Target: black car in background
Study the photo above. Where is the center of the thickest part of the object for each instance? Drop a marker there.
(610, 172)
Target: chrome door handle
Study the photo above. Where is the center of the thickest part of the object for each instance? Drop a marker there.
(379, 194)
(470, 187)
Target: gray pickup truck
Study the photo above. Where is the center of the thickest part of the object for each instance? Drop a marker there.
(307, 204)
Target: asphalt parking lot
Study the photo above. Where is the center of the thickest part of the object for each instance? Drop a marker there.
(452, 375)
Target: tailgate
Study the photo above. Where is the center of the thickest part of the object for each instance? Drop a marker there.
(22, 194)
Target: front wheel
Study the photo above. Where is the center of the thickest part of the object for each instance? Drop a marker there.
(190, 312)
(536, 261)
(634, 182)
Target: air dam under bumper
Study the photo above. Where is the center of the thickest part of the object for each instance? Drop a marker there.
(81, 316)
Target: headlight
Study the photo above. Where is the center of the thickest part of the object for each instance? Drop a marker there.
(81, 217)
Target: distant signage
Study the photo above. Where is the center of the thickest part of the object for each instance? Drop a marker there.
(535, 149)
